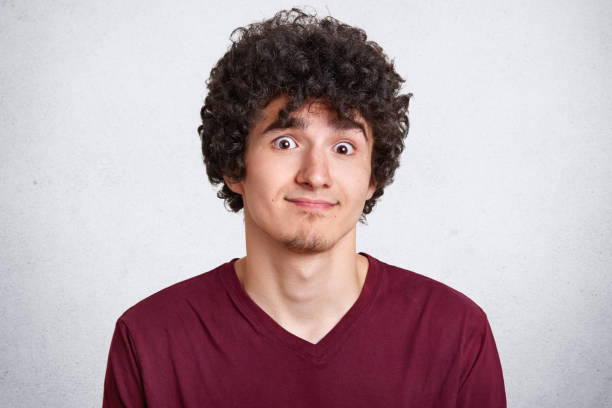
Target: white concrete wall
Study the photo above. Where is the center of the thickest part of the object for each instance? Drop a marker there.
(505, 189)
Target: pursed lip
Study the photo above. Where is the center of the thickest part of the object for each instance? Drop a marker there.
(310, 203)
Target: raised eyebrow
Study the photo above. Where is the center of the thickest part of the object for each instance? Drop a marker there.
(291, 122)
(348, 124)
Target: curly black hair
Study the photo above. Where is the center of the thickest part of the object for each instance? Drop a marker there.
(304, 58)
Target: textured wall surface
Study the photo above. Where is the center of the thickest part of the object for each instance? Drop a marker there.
(505, 188)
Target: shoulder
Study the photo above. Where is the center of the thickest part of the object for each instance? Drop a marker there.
(194, 295)
(411, 290)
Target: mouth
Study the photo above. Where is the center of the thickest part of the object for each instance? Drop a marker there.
(308, 203)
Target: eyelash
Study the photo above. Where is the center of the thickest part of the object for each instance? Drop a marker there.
(276, 141)
(348, 144)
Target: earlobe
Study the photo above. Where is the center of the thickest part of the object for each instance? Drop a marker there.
(235, 186)
(371, 189)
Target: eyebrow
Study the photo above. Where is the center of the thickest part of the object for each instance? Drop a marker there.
(300, 124)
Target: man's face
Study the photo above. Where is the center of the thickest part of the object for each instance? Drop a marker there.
(307, 180)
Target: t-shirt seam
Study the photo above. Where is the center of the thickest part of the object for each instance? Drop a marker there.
(134, 351)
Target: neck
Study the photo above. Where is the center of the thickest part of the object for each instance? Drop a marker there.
(306, 293)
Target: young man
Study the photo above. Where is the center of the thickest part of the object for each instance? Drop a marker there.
(303, 126)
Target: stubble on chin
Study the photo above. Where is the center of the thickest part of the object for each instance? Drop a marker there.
(307, 241)
(306, 245)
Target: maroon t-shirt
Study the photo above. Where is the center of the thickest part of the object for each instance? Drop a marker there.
(408, 341)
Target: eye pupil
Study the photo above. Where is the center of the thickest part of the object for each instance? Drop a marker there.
(285, 144)
(342, 149)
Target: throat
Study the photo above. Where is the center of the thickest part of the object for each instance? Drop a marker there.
(304, 303)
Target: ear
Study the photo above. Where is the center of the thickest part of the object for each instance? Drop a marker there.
(235, 186)
(371, 189)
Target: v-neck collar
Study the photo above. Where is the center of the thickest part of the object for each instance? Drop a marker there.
(266, 325)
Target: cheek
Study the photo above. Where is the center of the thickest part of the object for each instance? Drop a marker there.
(265, 179)
(356, 180)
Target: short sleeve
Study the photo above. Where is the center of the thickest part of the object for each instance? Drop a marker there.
(123, 384)
(483, 384)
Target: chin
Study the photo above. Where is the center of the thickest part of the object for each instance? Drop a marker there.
(307, 245)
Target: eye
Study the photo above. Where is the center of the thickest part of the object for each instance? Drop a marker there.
(284, 143)
(344, 148)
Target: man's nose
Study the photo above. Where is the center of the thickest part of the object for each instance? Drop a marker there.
(314, 169)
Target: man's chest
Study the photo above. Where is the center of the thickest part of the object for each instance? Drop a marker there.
(365, 371)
